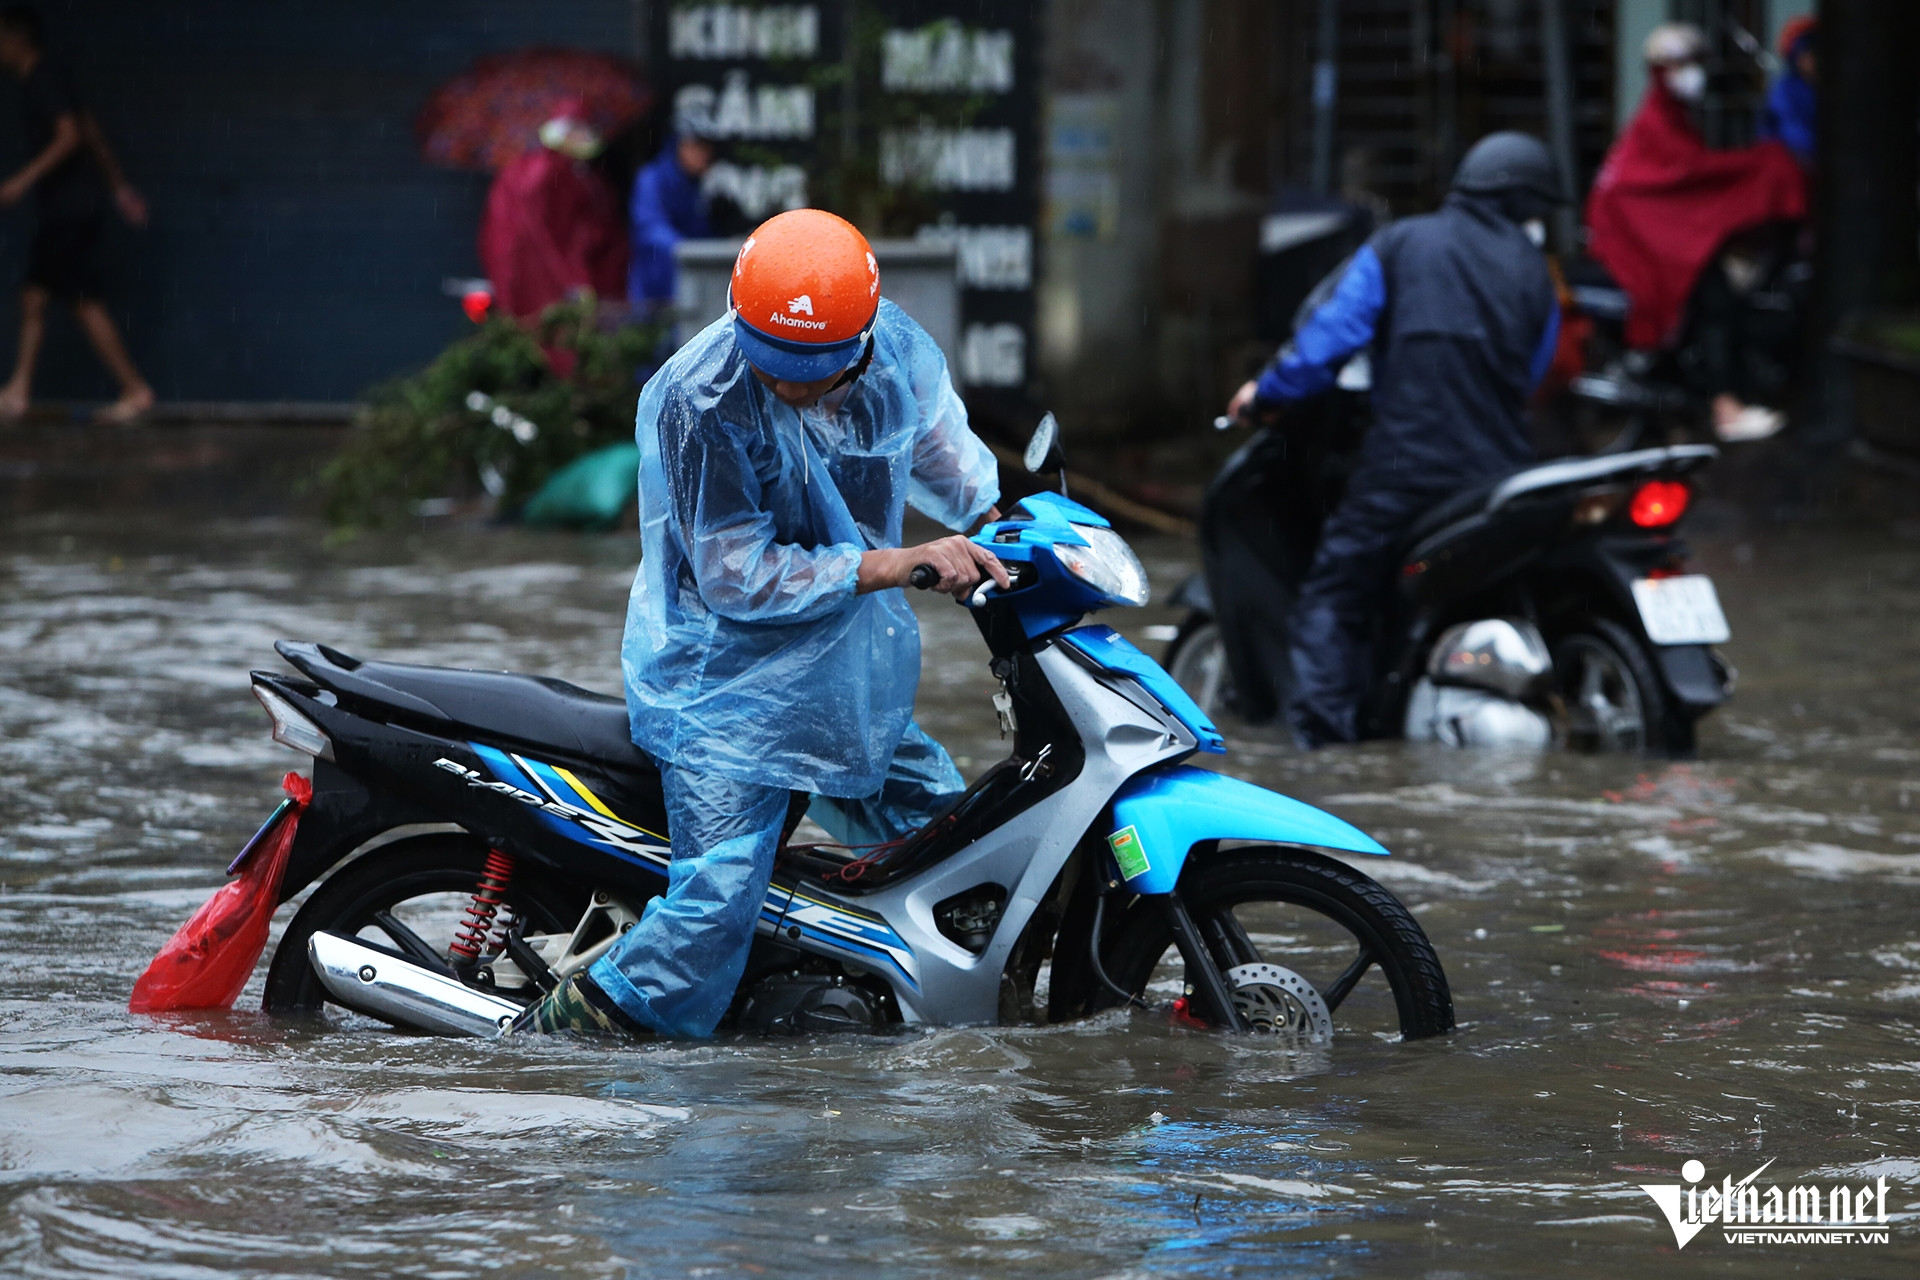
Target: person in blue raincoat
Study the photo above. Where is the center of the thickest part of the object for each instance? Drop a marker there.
(769, 650)
(1791, 113)
(667, 207)
(1460, 313)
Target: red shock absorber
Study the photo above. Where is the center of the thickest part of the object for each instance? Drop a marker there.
(488, 897)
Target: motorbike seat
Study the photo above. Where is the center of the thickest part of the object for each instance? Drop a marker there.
(1449, 511)
(1557, 476)
(536, 710)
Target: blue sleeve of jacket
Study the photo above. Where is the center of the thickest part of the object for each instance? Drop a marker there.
(1338, 327)
(650, 271)
(652, 223)
(1788, 116)
(1549, 343)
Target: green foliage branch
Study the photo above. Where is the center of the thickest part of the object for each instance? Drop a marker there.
(418, 439)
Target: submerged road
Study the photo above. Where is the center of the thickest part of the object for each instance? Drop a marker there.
(1652, 962)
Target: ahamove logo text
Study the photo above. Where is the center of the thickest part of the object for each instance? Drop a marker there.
(796, 307)
(1746, 1214)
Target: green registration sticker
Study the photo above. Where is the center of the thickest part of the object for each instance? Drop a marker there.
(1128, 852)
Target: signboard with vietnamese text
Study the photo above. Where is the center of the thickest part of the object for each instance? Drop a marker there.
(914, 119)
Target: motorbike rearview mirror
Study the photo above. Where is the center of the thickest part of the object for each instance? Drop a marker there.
(1041, 447)
(1043, 450)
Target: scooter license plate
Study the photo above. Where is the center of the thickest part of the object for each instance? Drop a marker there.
(1681, 610)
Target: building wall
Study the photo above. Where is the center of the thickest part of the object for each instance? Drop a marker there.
(1636, 19)
(298, 243)
(1101, 214)
(1147, 318)
(1423, 80)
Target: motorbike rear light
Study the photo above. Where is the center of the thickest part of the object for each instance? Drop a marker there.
(290, 728)
(1658, 503)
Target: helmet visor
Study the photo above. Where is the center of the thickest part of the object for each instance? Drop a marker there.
(791, 361)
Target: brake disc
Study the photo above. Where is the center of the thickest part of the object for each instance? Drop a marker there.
(1279, 1001)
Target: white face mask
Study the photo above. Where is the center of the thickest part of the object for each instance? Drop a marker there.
(1687, 81)
(1536, 231)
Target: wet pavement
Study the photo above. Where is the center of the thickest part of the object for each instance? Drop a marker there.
(1652, 962)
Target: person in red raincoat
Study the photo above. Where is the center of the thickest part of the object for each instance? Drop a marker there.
(552, 228)
(1665, 204)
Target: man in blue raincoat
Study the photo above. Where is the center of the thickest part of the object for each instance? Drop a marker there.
(667, 206)
(769, 650)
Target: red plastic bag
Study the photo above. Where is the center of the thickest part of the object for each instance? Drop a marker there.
(206, 963)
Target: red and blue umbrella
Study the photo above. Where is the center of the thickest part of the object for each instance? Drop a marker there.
(492, 112)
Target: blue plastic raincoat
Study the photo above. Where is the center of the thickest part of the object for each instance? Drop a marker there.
(747, 654)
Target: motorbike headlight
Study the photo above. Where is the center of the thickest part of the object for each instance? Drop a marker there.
(1106, 563)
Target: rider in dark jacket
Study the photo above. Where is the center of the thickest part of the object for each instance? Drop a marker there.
(1460, 314)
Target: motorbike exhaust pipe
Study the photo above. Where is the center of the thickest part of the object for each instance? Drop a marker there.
(382, 985)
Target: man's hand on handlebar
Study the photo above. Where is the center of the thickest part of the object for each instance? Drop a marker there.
(1245, 409)
(960, 563)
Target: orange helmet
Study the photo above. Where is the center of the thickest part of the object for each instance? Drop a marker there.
(804, 294)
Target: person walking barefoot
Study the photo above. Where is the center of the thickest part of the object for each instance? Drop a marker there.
(71, 173)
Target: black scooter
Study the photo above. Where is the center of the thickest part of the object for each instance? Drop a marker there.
(1550, 606)
(472, 838)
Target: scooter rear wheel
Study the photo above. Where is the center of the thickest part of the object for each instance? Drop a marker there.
(394, 896)
(1615, 700)
(1256, 905)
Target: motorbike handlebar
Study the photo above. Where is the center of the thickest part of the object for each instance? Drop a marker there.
(924, 577)
(1265, 416)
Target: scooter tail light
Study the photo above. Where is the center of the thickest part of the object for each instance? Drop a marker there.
(291, 729)
(1659, 503)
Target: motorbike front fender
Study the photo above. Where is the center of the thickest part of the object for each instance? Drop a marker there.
(1159, 816)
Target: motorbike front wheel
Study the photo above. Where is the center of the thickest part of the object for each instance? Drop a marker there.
(409, 895)
(1265, 908)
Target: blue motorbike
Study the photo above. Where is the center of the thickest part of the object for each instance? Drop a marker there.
(479, 836)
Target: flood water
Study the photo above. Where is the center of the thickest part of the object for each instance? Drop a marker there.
(1651, 962)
